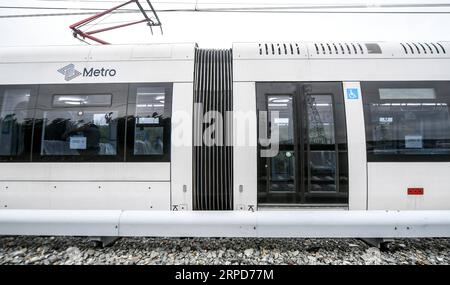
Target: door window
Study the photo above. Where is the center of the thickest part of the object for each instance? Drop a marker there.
(282, 174)
(321, 143)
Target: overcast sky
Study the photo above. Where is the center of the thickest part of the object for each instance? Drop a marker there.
(221, 29)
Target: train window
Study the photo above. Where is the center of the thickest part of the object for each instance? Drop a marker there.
(148, 129)
(78, 126)
(16, 121)
(79, 133)
(407, 121)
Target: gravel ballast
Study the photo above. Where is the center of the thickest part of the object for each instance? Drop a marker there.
(221, 251)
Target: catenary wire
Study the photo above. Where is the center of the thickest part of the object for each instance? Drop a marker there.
(283, 9)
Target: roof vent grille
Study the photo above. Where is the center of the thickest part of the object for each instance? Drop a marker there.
(339, 48)
(422, 48)
(279, 48)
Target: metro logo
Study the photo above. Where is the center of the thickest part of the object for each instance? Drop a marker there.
(69, 71)
(99, 72)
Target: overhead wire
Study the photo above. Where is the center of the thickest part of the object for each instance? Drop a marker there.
(274, 3)
(278, 5)
(299, 9)
(266, 7)
(226, 11)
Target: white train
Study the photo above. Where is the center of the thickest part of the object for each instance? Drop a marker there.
(173, 140)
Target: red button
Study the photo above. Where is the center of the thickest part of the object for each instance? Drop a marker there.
(415, 191)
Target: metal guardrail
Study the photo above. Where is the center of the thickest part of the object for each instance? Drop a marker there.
(302, 223)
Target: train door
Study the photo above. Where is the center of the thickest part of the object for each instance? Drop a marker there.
(310, 165)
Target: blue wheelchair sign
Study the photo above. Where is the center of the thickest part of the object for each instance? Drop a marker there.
(352, 93)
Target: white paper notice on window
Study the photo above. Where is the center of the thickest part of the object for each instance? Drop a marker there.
(148, 121)
(386, 120)
(413, 142)
(281, 121)
(77, 142)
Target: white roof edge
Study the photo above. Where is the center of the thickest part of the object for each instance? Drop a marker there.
(338, 49)
(80, 53)
(89, 46)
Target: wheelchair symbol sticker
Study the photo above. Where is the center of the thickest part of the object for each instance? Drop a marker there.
(352, 93)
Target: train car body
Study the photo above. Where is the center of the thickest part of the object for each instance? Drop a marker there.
(173, 140)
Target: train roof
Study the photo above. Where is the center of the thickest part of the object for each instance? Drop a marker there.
(139, 52)
(336, 50)
(257, 61)
(250, 50)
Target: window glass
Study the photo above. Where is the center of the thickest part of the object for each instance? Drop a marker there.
(15, 121)
(321, 143)
(79, 133)
(283, 105)
(148, 136)
(79, 123)
(403, 121)
(282, 175)
(320, 119)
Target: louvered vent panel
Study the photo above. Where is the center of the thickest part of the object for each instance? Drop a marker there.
(331, 48)
(213, 165)
(279, 48)
(422, 48)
